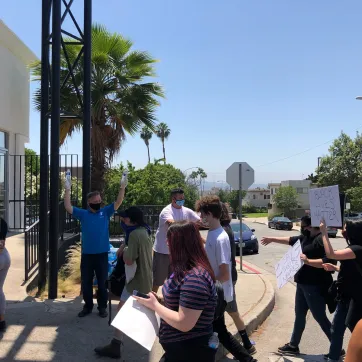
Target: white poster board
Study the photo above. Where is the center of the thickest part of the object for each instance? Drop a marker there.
(138, 322)
(325, 203)
(289, 265)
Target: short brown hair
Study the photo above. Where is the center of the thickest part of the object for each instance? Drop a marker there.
(210, 204)
(92, 194)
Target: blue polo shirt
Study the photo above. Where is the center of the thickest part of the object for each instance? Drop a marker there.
(95, 229)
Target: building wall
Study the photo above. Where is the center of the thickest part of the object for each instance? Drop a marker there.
(302, 187)
(258, 198)
(14, 117)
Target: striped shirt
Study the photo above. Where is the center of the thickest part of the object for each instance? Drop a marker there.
(195, 291)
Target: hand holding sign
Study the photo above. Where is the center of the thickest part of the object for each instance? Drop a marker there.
(325, 204)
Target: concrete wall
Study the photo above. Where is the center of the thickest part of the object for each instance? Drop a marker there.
(14, 116)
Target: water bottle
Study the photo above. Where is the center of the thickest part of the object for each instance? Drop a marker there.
(214, 341)
(112, 257)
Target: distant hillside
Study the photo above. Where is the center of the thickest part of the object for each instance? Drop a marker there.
(209, 185)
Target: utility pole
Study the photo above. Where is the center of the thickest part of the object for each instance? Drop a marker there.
(52, 83)
(241, 214)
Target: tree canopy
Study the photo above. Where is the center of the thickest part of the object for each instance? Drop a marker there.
(286, 199)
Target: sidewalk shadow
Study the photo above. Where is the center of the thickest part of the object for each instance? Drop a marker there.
(300, 358)
(51, 331)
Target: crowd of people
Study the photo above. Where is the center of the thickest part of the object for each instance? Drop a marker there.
(316, 288)
(198, 277)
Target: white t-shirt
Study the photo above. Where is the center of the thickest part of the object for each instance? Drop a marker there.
(169, 212)
(218, 251)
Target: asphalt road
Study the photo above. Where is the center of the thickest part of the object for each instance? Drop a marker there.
(276, 331)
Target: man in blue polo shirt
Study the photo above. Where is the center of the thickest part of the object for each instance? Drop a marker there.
(95, 244)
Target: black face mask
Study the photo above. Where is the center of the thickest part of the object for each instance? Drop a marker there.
(95, 207)
(305, 232)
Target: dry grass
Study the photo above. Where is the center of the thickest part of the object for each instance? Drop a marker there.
(69, 276)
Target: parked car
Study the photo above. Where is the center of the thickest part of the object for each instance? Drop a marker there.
(332, 232)
(250, 242)
(280, 223)
(353, 216)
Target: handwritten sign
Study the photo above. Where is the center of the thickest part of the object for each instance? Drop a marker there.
(289, 265)
(325, 203)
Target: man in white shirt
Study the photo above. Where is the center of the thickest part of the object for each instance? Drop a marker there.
(171, 213)
(217, 246)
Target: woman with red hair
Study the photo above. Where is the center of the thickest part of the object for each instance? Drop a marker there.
(189, 298)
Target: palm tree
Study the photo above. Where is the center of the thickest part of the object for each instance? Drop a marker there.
(122, 102)
(146, 135)
(163, 132)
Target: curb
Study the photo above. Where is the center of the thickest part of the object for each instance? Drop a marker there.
(254, 318)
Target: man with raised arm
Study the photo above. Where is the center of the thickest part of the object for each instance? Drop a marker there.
(95, 243)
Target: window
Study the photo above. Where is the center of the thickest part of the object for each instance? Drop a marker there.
(266, 197)
(3, 140)
(272, 191)
(254, 197)
(302, 190)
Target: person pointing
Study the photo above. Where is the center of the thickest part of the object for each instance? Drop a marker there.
(95, 243)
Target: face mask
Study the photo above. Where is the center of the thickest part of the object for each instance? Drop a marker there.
(95, 207)
(305, 232)
(180, 202)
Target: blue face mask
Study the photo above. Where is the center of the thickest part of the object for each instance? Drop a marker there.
(180, 202)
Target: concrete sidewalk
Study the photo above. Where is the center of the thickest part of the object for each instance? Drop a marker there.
(51, 331)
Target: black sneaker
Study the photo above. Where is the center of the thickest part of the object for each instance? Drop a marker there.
(103, 313)
(84, 312)
(2, 326)
(343, 354)
(288, 349)
(251, 350)
(112, 350)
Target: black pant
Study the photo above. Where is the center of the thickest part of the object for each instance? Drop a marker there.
(192, 350)
(230, 342)
(90, 264)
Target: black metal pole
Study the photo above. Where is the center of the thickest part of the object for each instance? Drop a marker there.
(87, 58)
(54, 154)
(44, 146)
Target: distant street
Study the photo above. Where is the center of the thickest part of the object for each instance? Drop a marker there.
(277, 329)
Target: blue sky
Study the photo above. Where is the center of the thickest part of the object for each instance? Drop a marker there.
(254, 81)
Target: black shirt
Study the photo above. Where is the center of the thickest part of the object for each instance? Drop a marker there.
(313, 248)
(229, 231)
(350, 275)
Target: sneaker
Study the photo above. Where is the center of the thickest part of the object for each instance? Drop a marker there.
(2, 326)
(112, 350)
(288, 349)
(84, 312)
(103, 313)
(343, 354)
(251, 350)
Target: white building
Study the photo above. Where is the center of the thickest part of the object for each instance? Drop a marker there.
(302, 188)
(15, 57)
(258, 197)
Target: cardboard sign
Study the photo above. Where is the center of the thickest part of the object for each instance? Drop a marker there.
(325, 203)
(289, 265)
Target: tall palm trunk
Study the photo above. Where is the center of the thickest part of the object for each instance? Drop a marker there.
(164, 151)
(149, 156)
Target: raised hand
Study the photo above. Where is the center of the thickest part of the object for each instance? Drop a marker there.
(68, 180)
(124, 179)
(323, 225)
